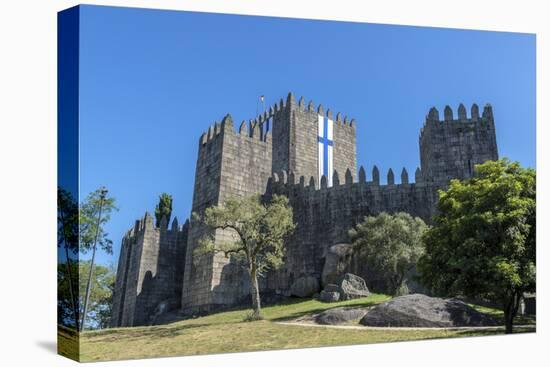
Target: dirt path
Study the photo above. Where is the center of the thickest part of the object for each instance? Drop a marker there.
(357, 327)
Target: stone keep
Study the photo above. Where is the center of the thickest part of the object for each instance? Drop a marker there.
(278, 153)
(150, 270)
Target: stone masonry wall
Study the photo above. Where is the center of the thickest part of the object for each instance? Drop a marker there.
(121, 282)
(150, 271)
(324, 216)
(244, 167)
(196, 278)
(295, 135)
(450, 148)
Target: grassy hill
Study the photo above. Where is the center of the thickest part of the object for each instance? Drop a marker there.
(226, 332)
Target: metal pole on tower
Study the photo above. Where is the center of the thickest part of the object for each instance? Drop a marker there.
(262, 98)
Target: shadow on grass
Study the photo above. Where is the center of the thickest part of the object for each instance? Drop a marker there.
(133, 334)
(498, 315)
(519, 320)
(517, 330)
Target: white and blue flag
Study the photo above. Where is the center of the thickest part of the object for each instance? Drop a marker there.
(326, 144)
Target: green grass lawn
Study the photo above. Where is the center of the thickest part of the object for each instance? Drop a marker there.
(226, 332)
(498, 315)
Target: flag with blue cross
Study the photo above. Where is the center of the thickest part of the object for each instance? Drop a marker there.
(326, 145)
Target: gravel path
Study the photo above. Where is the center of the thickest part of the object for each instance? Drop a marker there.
(358, 327)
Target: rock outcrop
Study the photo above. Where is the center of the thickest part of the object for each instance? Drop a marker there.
(340, 315)
(418, 310)
(352, 286)
(348, 286)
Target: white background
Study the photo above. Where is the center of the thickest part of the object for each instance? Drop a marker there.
(28, 181)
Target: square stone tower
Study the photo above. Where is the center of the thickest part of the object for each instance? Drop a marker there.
(309, 142)
(450, 148)
(290, 140)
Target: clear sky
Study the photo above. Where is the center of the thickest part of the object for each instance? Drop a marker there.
(152, 81)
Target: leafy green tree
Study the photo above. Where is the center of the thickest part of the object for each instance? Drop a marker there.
(163, 208)
(391, 245)
(95, 213)
(482, 244)
(100, 306)
(67, 237)
(259, 233)
(101, 295)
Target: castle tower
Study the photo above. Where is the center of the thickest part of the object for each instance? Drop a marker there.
(312, 142)
(229, 164)
(149, 272)
(290, 140)
(451, 148)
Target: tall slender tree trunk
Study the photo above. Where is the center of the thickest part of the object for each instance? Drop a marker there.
(508, 322)
(71, 291)
(510, 312)
(90, 273)
(88, 289)
(255, 293)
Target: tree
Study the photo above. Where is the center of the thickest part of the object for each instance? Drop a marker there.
(163, 208)
(95, 212)
(260, 230)
(482, 244)
(390, 245)
(101, 296)
(100, 305)
(67, 236)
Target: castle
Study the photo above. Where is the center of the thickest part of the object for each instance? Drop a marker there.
(309, 155)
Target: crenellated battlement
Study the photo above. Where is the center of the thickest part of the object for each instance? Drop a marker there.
(146, 223)
(339, 119)
(433, 117)
(255, 127)
(254, 130)
(283, 180)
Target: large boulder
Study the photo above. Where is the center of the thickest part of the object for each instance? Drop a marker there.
(327, 296)
(352, 286)
(340, 315)
(337, 259)
(305, 286)
(418, 310)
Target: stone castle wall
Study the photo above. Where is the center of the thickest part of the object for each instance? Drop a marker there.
(284, 160)
(450, 148)
(324, 215)
(150, 271)
(212, 280)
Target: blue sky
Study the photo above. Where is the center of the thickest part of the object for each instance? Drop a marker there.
(152, 81)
